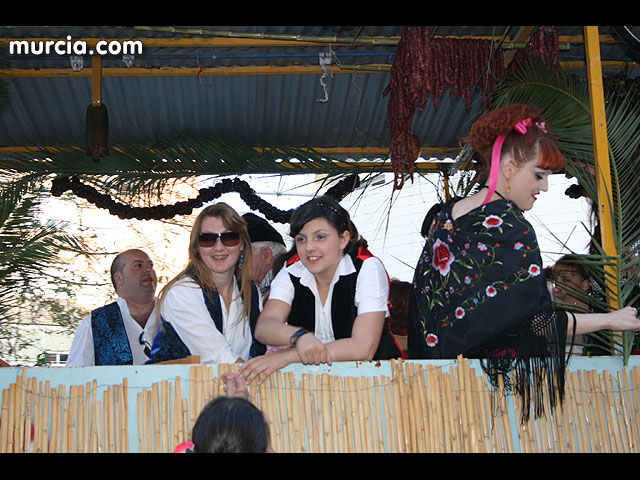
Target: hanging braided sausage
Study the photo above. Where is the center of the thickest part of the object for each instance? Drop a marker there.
(426, 66)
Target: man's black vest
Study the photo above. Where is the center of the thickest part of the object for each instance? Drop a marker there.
(343, 308)
(167, 345)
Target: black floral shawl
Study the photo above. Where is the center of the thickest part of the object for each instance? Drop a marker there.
(479, 291)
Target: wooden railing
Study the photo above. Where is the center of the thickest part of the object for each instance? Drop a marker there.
(406, 407)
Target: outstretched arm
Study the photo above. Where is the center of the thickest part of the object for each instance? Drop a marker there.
(619, 320)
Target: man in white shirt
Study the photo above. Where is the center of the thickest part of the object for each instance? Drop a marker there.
(120, 333)
(267, 245)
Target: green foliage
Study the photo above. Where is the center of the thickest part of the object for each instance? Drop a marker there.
(31, 260)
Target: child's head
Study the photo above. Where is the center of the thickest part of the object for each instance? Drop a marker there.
(231, 425)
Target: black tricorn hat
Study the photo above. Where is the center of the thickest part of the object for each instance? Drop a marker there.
(260, 230)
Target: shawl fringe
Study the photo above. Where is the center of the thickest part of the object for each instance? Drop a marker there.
(530, 362)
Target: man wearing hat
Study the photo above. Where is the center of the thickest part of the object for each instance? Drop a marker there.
(267, 245)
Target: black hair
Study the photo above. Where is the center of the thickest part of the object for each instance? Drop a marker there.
(328, 208)
(429, 218)
(230, 425)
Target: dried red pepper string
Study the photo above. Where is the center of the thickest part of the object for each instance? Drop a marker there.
(426, 66)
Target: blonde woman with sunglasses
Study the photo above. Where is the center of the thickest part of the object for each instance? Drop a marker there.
(210, 309)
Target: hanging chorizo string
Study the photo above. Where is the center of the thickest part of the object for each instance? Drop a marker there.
(409, 86)
(543, 44)
(426, 66)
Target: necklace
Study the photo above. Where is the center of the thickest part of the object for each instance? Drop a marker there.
(495, 191)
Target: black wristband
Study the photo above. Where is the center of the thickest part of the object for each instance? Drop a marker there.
(293, 339)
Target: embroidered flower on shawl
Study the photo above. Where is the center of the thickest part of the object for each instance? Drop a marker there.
(442, 257)
(534, 270)
(492, 221)
(448, 225)
(496, 236)
(432, 340)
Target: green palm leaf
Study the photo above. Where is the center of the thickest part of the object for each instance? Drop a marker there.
(29, 250)
(142, 172)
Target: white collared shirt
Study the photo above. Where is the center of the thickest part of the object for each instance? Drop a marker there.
(82, 353)
(372, 290)
(184, 307)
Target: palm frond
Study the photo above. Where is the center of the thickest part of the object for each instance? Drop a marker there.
(132, 170)
(29, 249)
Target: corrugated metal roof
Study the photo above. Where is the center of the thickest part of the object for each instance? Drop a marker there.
(252, 109)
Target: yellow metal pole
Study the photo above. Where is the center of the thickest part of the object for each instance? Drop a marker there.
(601, 150)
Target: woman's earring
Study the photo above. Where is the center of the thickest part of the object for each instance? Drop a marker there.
(508, 188)
(241, 260)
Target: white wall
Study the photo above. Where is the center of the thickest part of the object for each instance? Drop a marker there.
(393, 228)
(391, 221)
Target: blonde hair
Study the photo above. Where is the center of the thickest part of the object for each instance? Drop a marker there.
(195, 265)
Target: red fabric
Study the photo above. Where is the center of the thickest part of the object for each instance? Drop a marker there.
(184, 447)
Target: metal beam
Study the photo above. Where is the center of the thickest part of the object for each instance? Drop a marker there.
(358, 152)
(236, 70)
(202, 42)
(601, 151)
(522, 35)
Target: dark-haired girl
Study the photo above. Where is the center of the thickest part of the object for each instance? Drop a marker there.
(330, 302)
(230, 424)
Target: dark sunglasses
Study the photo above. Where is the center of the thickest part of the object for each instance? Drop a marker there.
(229, 239)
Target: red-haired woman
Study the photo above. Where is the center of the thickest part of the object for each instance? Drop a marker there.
(479, 288)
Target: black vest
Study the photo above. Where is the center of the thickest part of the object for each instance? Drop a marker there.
(167, 345)
(343, 308)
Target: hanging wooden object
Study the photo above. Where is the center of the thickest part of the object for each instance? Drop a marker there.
(97, 117)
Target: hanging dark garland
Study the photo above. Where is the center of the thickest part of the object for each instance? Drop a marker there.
(185, 207)
(543, 44)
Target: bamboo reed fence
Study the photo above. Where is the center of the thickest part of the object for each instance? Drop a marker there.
(417, 408)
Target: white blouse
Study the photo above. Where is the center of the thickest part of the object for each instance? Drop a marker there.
(184, 307)
(372, 290)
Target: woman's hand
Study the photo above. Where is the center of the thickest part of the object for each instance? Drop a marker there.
(312, 351)
(262, 366)
(624, 319)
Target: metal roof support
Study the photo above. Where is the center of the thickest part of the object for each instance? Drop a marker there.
(601, 151)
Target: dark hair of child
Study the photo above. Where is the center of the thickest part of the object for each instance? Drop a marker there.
(230, 425)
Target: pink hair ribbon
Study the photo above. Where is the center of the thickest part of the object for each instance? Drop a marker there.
(495, 167)
(522, 125)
